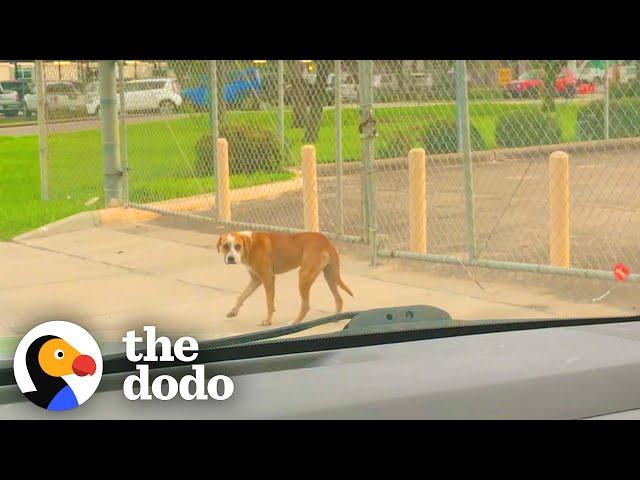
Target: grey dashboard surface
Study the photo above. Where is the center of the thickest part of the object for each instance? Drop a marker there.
(555, 373)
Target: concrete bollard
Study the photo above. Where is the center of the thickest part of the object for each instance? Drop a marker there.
(310, 188)
(417, 201)
(559, 245)
(224, 195)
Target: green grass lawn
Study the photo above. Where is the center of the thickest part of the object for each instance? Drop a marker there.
(161, 156)
(20, 206)
(394, 120)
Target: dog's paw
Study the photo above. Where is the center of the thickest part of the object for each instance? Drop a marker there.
(265, 323)
(232, 313)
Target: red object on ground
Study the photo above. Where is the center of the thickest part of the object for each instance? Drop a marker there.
(621, 271)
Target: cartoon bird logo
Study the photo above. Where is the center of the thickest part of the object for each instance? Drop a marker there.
(51, 372)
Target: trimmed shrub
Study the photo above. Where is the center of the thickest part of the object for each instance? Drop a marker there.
(624, 90)
(251, 149)
(590, 123)
(397, 142)
(441, 136)
(624, 120)
(522, 128)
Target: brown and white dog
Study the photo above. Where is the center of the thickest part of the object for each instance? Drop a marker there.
(268, 254)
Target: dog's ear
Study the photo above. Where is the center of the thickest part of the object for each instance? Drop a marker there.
(220, 242)
(246, 242)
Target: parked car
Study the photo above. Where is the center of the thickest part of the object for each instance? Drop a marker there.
(65, 95)
(30, 103)
(240, 85)
(27, 101)
(92, 89)
(530, 84)
(348, 86)
(150, 94)
(21, 86)
(422, 80)
(10, 104)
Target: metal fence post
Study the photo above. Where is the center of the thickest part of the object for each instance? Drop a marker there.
(337, 87)
(281, 102)
(112, 166)
(213, 96)
(42, 131)
(367, 135)
(464, 146)
(363, 187)
(606, 99)
(123, 135)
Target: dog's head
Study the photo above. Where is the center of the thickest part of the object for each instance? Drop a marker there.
(234, 246)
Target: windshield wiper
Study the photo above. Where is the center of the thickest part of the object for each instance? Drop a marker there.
(368, 327)
(392, 318)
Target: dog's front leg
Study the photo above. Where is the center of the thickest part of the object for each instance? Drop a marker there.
(254, 283)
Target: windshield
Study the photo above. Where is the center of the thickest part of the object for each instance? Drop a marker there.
(12, 85)
(318, 203)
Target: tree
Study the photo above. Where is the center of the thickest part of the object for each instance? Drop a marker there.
(315, 101)
(308, 98)
(550, 70)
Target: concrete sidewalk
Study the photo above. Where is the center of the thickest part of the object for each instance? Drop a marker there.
(113, 279)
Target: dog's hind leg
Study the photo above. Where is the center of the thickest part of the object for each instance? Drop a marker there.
(331, 277)
(312, 265)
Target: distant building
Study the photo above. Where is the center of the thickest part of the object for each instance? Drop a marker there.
(13, 69)
(77, 71)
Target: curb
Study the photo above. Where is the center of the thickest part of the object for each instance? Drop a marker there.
(89, 219)
(15, 125)
(131, 214)
(487, 156)
(206, 201)
(75, 222)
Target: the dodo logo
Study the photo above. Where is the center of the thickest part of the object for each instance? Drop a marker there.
(57, 365)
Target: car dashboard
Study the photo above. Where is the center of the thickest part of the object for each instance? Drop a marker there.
(575, 372)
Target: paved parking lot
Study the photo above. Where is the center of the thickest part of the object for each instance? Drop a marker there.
(511, 208)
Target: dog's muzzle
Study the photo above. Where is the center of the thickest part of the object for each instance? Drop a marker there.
(230, 260)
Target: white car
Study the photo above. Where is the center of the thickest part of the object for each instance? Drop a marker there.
(30, 104)
(157, 94)
(65, 95)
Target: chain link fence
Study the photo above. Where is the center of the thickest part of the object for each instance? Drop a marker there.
(487, 129)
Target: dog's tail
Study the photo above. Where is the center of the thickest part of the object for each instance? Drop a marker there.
(343, 285)
(335, 266)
